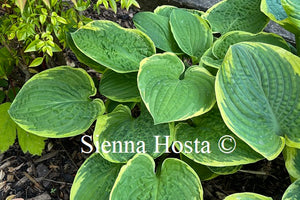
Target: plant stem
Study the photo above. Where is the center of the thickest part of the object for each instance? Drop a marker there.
(297, 37)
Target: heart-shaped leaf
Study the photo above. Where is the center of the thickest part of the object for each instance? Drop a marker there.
(191, 32)
(275, 11)
(247, 196)
(158, 29)
(292, 161)
(258, 93)
(212, 143)
(120, 136)
(169, 97)
(232, 15)
(120, 87)
(55, 103)
(94, 179)
(221, 46)
(166, 184)
(292, 192)
(115, 47)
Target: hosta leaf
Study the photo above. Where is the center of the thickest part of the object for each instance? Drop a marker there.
(210, 60)
(212, 143)
(82, 57)
(203, 172)
(221, 46)
(55, 103)
(257, 91)
(169, 97)
(292, 8)
(158, 29)
(120, 87)
(275, 11)
(225, 170)
(120, 126)
(292, 161)
(94, 179)
(164, 10)
(7, 128)
(140, 173)
(111, 105)
(247, 196)
(30, 143)
(191, 32)
(232, 15)
(115, 47)
(292, 192)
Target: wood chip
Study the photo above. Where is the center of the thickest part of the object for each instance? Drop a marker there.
(10, 197)
(2, 184)
(10, 178)
(46, 157)
(2, 175)
(14, 169)
(33, 181)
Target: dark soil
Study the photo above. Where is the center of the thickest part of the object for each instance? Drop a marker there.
(51, 175)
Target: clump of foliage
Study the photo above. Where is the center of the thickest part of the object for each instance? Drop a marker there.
(191, 90)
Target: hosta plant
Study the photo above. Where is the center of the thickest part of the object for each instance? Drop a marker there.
(188, 106)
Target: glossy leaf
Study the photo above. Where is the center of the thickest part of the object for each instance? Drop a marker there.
(292, 192)
(120, 87)
(232, 15)
(221, 46)
(257, 91)
(55, 103)
(112, 46)
(292, 161)
(275, 11)
(167, 95)
(158, 29)
(212, 143)
(30, 143)
(140, 133)
(7, 128)
(82, 57)
(94, 179)
(247, 196)
(191, 32)
(36, 62)
(137, 180)
(292, 8)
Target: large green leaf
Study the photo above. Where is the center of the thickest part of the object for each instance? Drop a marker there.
(120, 87)
(125, 136)
(82, 57)
(191, 32)
(115, 47)
(137, 180)
(167, 95)
(212, 143)
(221, 46)
(158, 29)
(292, 161)
(225, 170)
(94, 179)
(247, 196)
(232, 15)
(275, 11)
(7, 128)
(292, 192)
(55, 103)
(257, 91)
